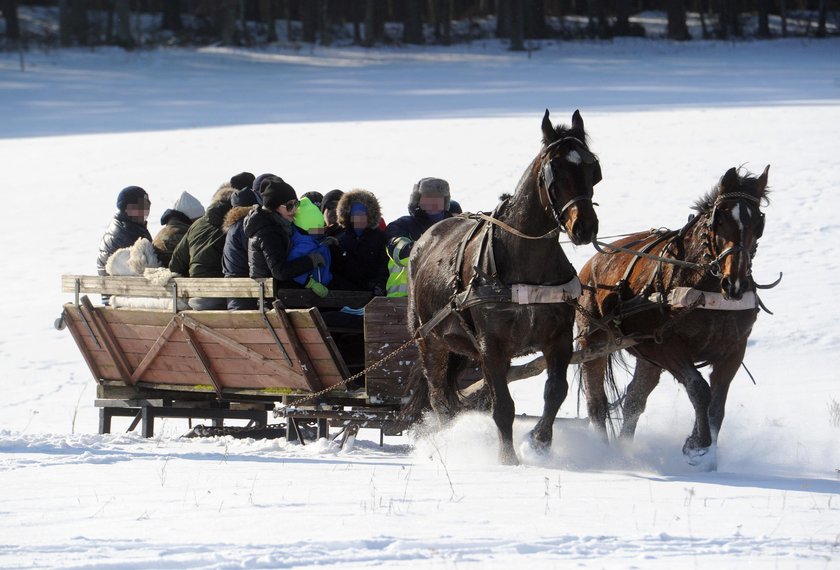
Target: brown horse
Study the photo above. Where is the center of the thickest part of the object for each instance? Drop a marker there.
(469, 274)
(687, 297)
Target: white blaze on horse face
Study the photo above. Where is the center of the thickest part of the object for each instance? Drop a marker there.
(574, 157)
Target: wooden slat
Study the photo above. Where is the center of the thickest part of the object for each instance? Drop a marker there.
(296, 347)
(73, 321)
(106, 338)
(187, 286)
(154, 350)
(205, 362)
(304, 298)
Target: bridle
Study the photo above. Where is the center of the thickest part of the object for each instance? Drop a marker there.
(547, 178)
(714, 259)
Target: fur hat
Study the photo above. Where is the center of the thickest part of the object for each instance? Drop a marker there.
(188, 205)
(358, 196)
(223, 194)
(429, 187)
(242, 180)
(275, 191)
(243, 197)
(130, 195)
(308, 216)
(331, 199)
(132, 260)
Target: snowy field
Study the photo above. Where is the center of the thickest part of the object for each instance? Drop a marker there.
(667, 120)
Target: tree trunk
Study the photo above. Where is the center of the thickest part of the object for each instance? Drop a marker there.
(172, 16)
(622, 18)
(517, 34)
(821, 21)
(763, 18)
(503, 18)
(535, 19)
(10, 14)
(226, 21)
(783, 14)
(597, 18)
(374, 22)
(309, 20)
(677, 28)
(413, 22)
(73, 23)
(123, 10)
(357, 28)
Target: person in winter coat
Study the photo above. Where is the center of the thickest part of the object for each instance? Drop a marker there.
(329, 208)
(429, 204)
(199, 254)
(127, 226)
(176, 221)
(242, 180)
(361, 263)
(269, 230)
(235, 256)
(307, 237)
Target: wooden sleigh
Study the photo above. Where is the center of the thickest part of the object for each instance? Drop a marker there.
(151, 363)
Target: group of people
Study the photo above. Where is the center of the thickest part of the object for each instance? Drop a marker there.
(257, 226)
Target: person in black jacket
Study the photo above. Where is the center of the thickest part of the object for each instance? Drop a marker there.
(429, 204)
(235, 257)
(359, 262)
(269, 229)
(127, 226)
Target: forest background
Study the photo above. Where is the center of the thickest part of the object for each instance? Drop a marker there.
(136, 24)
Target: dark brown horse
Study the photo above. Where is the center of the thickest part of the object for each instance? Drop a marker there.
(466, 271)
(687, 297)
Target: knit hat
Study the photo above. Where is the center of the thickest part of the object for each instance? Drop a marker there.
(274, 191)
(331, 199)
(255, 186)
(130, 195)
(243, 197)
(242, 180)
(429, 187)
(188, 205)
(315, 197)
(308, 216)
(455, 207)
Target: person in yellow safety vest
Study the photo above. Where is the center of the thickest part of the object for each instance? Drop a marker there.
(429, 204)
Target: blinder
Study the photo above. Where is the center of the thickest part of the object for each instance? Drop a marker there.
(547, 173)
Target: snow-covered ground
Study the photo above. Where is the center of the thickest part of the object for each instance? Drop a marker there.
(667, 120)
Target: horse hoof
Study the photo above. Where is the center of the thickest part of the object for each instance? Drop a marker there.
(539, 444)
(704, 458)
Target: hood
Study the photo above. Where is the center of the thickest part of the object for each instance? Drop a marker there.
(234, 215)
(363, 197)
(308, 216)
(188, 205)
(220, 205)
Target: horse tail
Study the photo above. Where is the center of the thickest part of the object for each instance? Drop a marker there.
(417, 390)
(615, 395)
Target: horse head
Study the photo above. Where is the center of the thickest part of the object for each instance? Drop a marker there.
(567, 173)
(734, 223)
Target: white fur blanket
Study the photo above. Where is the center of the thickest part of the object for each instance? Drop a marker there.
(140, 259)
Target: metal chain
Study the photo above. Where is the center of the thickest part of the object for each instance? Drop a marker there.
(346, 381)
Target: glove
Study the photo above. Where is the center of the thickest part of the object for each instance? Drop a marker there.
(317, 288)
(317, 259)
(330, 241)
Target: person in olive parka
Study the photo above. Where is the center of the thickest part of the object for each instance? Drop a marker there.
(200, 252)
(269, 229)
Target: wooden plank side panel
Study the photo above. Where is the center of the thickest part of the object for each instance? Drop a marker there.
(187, 287)
(385, 331)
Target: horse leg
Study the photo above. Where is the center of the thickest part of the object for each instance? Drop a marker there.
(495, 366)
(720, 379)
(434, 358)
(592, 378)
(700, 395)
(645, 379)
(556, 387)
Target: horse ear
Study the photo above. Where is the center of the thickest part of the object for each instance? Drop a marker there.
(549, 134)
(577, 121)
(762, 181)
(729, 182)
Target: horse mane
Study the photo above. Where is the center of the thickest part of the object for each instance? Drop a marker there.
(746, 184)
